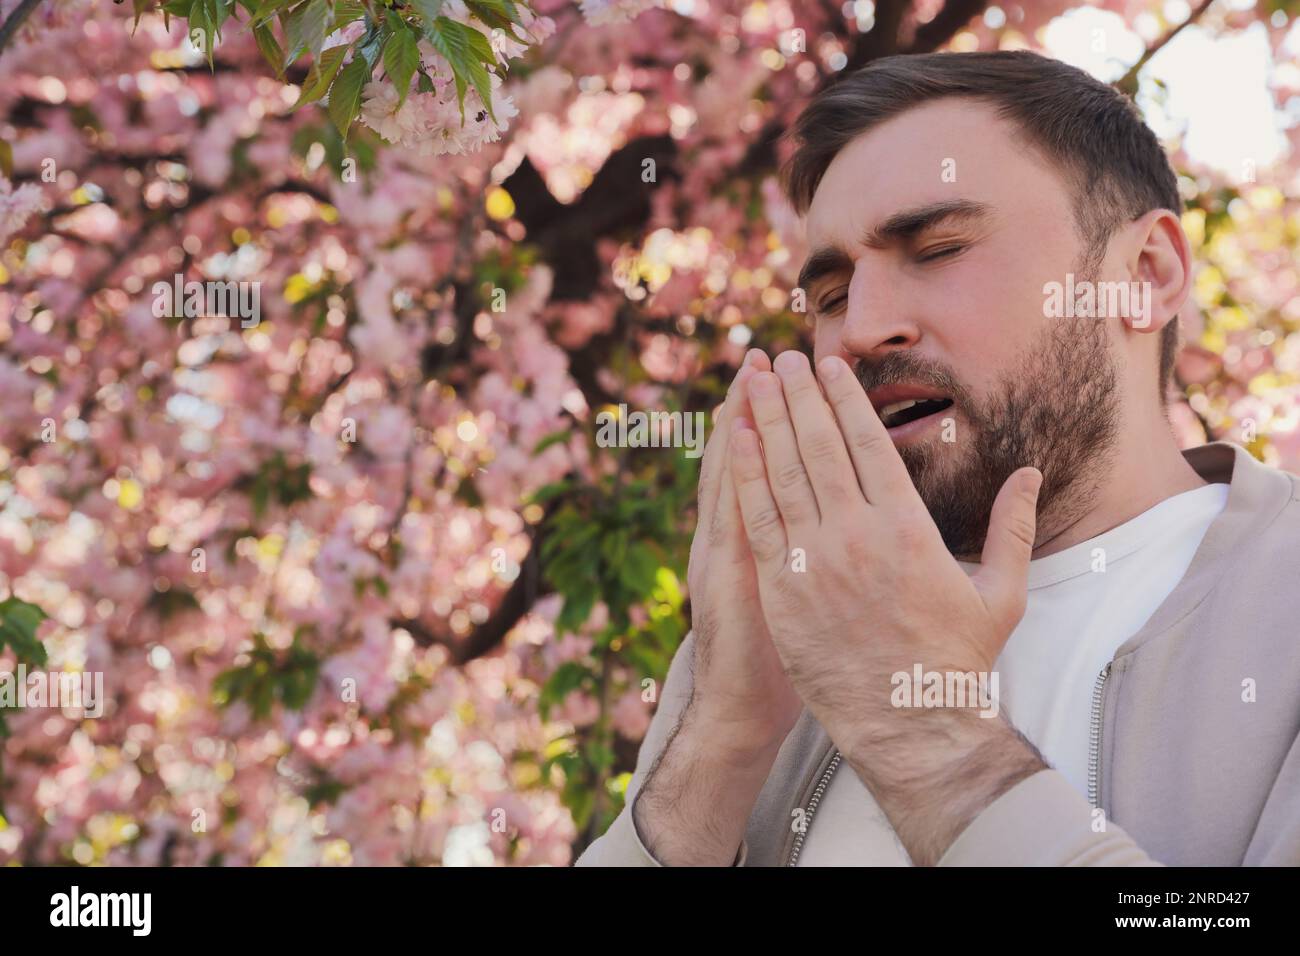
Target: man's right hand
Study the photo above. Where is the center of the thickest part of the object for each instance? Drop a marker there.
(697, 798)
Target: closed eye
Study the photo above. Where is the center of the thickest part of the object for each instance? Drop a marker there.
(830, 306)
(941, 252)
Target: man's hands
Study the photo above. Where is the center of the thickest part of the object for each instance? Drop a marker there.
(696, 799)
(875, 592)
(740, 690)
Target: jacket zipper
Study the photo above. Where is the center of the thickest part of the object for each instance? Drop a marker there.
(1094, 737)
(815, 799)
(1094, 768)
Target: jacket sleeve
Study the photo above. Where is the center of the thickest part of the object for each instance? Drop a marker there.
(621, 844)
(1042, 821)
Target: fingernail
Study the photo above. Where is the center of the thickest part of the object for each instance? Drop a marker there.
(830, 368)
(790, 361)
(751, 357)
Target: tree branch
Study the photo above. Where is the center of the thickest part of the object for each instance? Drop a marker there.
(954, 15)
(15, 20)
(1128, 83)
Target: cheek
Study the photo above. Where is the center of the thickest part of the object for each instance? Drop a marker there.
(990, 318)
(827, 340)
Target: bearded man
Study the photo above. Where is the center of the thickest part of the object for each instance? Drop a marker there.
(965, 483)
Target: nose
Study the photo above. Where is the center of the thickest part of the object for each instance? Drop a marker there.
(877, 317)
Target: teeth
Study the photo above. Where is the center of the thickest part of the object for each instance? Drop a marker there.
(896, 407)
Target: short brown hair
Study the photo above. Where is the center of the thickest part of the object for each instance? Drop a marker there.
(1112, 160)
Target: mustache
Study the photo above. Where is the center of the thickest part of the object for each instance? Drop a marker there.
(902, 366)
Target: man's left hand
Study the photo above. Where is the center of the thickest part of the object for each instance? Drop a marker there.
(856, 585)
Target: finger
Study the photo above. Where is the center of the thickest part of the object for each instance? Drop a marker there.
(715, 450)
(764, 529)
(821, 444)
(881, 472)
(1008, 547)
(726, 531)
(782, 462)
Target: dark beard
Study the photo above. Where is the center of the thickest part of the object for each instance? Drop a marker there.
(1058, 410)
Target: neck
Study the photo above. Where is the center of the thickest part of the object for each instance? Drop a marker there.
(1145, 468)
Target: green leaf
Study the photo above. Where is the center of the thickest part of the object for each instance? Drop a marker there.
(429, 10)
(465, 50)
(554, 438)
(321, 75)
(267, 11)
(18, 623)
(567, 678)
(345, 95)
(638, 570)
(307, 28)
(549, 491)
(141, 7)
(499, 14)
(270, 47)
(220, 11)
(576, 610)
(401, 56)
(345, 11)
(372, 44)
(6, 159)
(201, 21)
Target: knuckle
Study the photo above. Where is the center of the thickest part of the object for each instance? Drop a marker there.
(838, 492)
(1022, 529)
(869, 441)
(824, 446)
(791, 475)
(764, 537)
(765, 522)
(858, 551)
(797, 386)
(910, 534)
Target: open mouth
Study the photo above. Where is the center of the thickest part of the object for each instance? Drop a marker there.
(912, 409)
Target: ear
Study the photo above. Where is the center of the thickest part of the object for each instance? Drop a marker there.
(1161, 262)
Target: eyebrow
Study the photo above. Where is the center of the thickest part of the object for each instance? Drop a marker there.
(903, 225)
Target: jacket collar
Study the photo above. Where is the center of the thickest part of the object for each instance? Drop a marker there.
(1257, 493)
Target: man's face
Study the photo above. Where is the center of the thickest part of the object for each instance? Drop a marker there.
(950, 224)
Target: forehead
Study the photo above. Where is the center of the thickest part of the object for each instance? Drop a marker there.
(957, 148)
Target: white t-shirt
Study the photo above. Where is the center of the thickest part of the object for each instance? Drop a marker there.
(1076, 617)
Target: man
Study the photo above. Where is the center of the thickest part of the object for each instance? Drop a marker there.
(976, 489)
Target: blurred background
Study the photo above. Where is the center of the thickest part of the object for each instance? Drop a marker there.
(361, 584)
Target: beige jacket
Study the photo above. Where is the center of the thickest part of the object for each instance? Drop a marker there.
(1187, 772)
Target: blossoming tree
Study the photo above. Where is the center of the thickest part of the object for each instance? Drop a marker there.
(362, 586)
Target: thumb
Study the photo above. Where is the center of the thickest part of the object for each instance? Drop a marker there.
(1004, 566)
